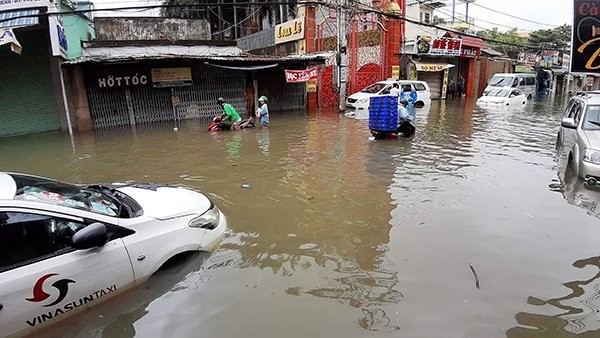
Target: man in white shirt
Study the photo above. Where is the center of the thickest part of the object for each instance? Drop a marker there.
(395, 91)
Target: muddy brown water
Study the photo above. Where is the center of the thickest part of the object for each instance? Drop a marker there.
(465, 230)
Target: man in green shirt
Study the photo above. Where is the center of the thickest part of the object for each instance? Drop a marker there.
(230, 114)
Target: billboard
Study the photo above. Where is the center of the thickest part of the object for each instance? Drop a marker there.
(586, 37)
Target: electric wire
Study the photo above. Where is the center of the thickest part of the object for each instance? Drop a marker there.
(514, 16)
(361, 7)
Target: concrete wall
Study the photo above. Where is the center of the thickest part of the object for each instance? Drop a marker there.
(124, 28)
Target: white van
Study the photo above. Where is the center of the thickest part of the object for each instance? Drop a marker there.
(527, 83)
(360, 100)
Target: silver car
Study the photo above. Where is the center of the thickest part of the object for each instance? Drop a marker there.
(579, 136)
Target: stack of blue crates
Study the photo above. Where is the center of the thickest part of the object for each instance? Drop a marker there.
(383, 113)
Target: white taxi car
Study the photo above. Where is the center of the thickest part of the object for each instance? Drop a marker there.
(66, 247)
(499, 97)
(360, 101)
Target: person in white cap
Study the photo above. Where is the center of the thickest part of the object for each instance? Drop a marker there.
(263, 111)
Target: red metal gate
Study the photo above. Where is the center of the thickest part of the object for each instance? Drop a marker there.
(367, 74)
(328, 96)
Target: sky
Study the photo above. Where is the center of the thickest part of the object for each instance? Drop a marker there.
(551, 12)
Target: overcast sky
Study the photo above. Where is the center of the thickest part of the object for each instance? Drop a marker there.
(551, 12)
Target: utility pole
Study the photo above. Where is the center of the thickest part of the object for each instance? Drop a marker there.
(453, 10)
(341, 55)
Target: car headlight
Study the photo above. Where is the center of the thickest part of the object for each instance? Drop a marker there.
(591, 155)
(208, 220)
(362, 100)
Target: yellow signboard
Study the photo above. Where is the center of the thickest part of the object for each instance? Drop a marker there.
(289, 31)
(311, 87)
(171, 77)
(431, 67)
(395, 72)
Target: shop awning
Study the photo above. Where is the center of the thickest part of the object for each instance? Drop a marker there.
(431, 66)
(12, 19)
(468, 41)
(243, 67)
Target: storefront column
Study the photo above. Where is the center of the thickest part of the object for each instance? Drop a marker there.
(392, 52)
(311, 47)
(470, 81)
(79, 99)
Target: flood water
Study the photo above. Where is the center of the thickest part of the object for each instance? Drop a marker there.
(465, 230)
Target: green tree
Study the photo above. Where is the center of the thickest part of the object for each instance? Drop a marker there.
(509, 43)
(555, 38)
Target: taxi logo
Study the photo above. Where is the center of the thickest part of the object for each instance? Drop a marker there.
(40, 295)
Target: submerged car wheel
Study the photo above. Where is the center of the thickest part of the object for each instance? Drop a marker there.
(570, 171)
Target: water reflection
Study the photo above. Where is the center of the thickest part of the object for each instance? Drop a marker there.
(579, 309)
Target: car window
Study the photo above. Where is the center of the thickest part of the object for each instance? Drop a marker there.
(569, 109)
(592, 118)
(515, 82)
(530, 81)
(405, 88)
(420, 87)
(500, 81)
(522, 81)
(577, 113)
(386, 90)
(498, 93)
(374, 88)
(26, 238)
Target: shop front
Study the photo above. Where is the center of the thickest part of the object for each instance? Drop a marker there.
(470, 52)
(143, 90)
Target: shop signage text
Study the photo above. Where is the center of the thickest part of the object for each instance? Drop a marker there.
(430, 67)
(469, 52)
(171, 77)
(122, 78)
(446, 46)
(290, 31)
(586, 37)
(301, 75)
(438, 46)
(58, 37)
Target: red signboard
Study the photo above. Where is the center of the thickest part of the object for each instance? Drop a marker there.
(469, 52)
(446, 46)
(301, 75)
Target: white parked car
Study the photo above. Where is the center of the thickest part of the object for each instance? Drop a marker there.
(360, 101)
(66, 247)
(500, 97)
(527, 83)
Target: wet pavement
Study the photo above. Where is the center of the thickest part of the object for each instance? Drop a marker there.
(465, 230)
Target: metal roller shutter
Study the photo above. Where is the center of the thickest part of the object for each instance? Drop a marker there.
(110, 107)
(435, 82)
(27, 92)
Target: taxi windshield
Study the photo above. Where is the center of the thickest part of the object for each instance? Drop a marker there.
(64, 194)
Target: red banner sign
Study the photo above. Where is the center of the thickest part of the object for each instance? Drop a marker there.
(301, 75)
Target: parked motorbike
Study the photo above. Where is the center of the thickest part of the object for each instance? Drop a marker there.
(219, 124)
